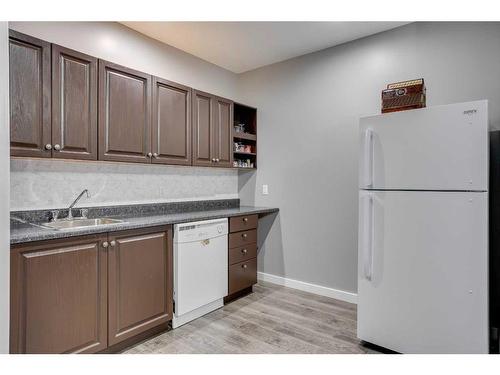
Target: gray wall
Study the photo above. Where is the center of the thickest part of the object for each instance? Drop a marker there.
(308, 126)
(53, 184)
(4, 189)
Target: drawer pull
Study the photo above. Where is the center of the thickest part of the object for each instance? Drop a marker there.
(244, 251)
(105, 244)
(245, 219)
(244, 266)
(244, 235)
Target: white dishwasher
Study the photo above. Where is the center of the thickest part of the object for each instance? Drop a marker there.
(200, 269)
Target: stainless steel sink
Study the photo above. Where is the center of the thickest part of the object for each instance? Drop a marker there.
(80, 223)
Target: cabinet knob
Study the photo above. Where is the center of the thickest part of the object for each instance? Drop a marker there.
(112, 243)
(245, 219)
(155, 155)
(213, 160)
(244, 266)
(244, 235)
(149, 154)
(216, 160)
(244, 251)
(105, 244)
(57, 147)
(48, 146)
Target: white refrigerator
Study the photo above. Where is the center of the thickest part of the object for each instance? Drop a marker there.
(423, 229)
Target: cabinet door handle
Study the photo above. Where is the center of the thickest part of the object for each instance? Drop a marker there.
(216, 160)
(213, 160)
(105, 244)
(244, 251)
(113, 243)
(57, 147)
(244, 266)
(245, 219)
(244, 235)
(149, 154)
(155, 155)
(48, 147)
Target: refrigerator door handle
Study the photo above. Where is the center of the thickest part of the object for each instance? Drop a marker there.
(368, 154)
(368, 229)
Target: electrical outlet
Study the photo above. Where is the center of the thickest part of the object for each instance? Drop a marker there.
(265, 190)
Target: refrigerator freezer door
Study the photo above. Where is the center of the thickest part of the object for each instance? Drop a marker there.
(437, 148)
(423, 271)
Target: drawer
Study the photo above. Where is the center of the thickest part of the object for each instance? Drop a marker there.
(242, 275)
(240, 223)
(242, 238)
(242, 253)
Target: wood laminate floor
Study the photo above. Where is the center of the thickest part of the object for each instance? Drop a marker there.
(273, 319)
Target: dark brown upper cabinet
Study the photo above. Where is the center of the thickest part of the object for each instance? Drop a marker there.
(69, 105)
(223, 140)
(58, 299)
(171, 123)
(203, 129)
(29, 86)
(212, 121)
(74, 104)
(140, 281)
(124, 114)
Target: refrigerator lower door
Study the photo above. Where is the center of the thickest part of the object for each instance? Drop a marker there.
(423, 271)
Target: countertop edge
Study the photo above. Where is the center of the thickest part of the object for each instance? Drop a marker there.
(47, 234)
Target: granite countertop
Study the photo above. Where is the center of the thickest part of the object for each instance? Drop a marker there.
(23, 232)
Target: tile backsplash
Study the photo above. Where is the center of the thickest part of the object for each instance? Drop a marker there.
(41, 184)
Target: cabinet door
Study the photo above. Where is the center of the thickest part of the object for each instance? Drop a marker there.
(29, 89)
(223, 142)
(74, 104)
(58, 297)
(124, 114)
(203, 129)
(140, 282)
(171, 132)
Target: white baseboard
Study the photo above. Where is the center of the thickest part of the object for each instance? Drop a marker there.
(307, 287)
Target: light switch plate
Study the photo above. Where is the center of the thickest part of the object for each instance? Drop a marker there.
(265, 190)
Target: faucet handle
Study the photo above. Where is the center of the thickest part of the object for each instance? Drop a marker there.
(84, 212)
(54, 215)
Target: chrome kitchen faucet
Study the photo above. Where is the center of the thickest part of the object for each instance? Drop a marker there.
(70, 214)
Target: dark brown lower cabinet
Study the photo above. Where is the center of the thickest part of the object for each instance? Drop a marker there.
(242, 255)
(242, 275)
(59, 296)
(85, 294)
(140, 282)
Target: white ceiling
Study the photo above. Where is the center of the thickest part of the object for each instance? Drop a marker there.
(243, 46)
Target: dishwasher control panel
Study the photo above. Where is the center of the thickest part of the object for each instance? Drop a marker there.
(201, 230)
